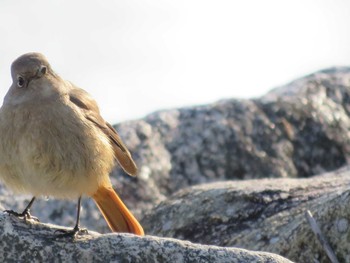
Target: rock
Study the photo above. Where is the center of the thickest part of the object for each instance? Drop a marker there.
(263, 215)
(299, 130)
(35, 242)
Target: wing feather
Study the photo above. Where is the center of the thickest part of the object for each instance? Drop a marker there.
(89, 107)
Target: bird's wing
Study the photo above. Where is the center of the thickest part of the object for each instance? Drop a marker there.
(88, 105)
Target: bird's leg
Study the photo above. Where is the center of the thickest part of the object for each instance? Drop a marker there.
(76, 229)
(26, 212)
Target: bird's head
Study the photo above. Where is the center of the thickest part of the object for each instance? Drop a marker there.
(32, 80)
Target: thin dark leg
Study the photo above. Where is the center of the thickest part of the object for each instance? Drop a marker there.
(76, 229)
(26, 212)
(78, 215)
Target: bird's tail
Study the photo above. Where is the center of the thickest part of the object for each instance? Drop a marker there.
(117, 215)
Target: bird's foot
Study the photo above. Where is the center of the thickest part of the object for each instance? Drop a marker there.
(71, 233)
(25, 214)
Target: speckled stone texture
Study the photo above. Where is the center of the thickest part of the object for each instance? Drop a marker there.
(34, 242)
(264, 214)
(299, 130)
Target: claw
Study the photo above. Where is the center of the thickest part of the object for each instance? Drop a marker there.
(71, 233)
(25, 214)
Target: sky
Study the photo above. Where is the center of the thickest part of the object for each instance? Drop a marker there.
(136, 57)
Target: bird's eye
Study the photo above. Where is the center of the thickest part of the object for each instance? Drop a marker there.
(20, 81)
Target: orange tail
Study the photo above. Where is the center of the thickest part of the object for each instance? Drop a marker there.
(117, 215)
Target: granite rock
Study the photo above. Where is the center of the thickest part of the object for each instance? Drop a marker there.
(35, 242)
(299, 130)
(261, 214)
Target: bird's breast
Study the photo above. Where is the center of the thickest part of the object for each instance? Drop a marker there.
(52, 147)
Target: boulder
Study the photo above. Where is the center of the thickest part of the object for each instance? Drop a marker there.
(35, 242)
(296, 131)
(261, 214)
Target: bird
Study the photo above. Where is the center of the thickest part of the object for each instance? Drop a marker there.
(54, 142)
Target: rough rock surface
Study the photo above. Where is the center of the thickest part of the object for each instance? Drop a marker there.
(264, 214)
(298, 130)
(35, 242)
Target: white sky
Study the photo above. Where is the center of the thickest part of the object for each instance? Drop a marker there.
(136, 57)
